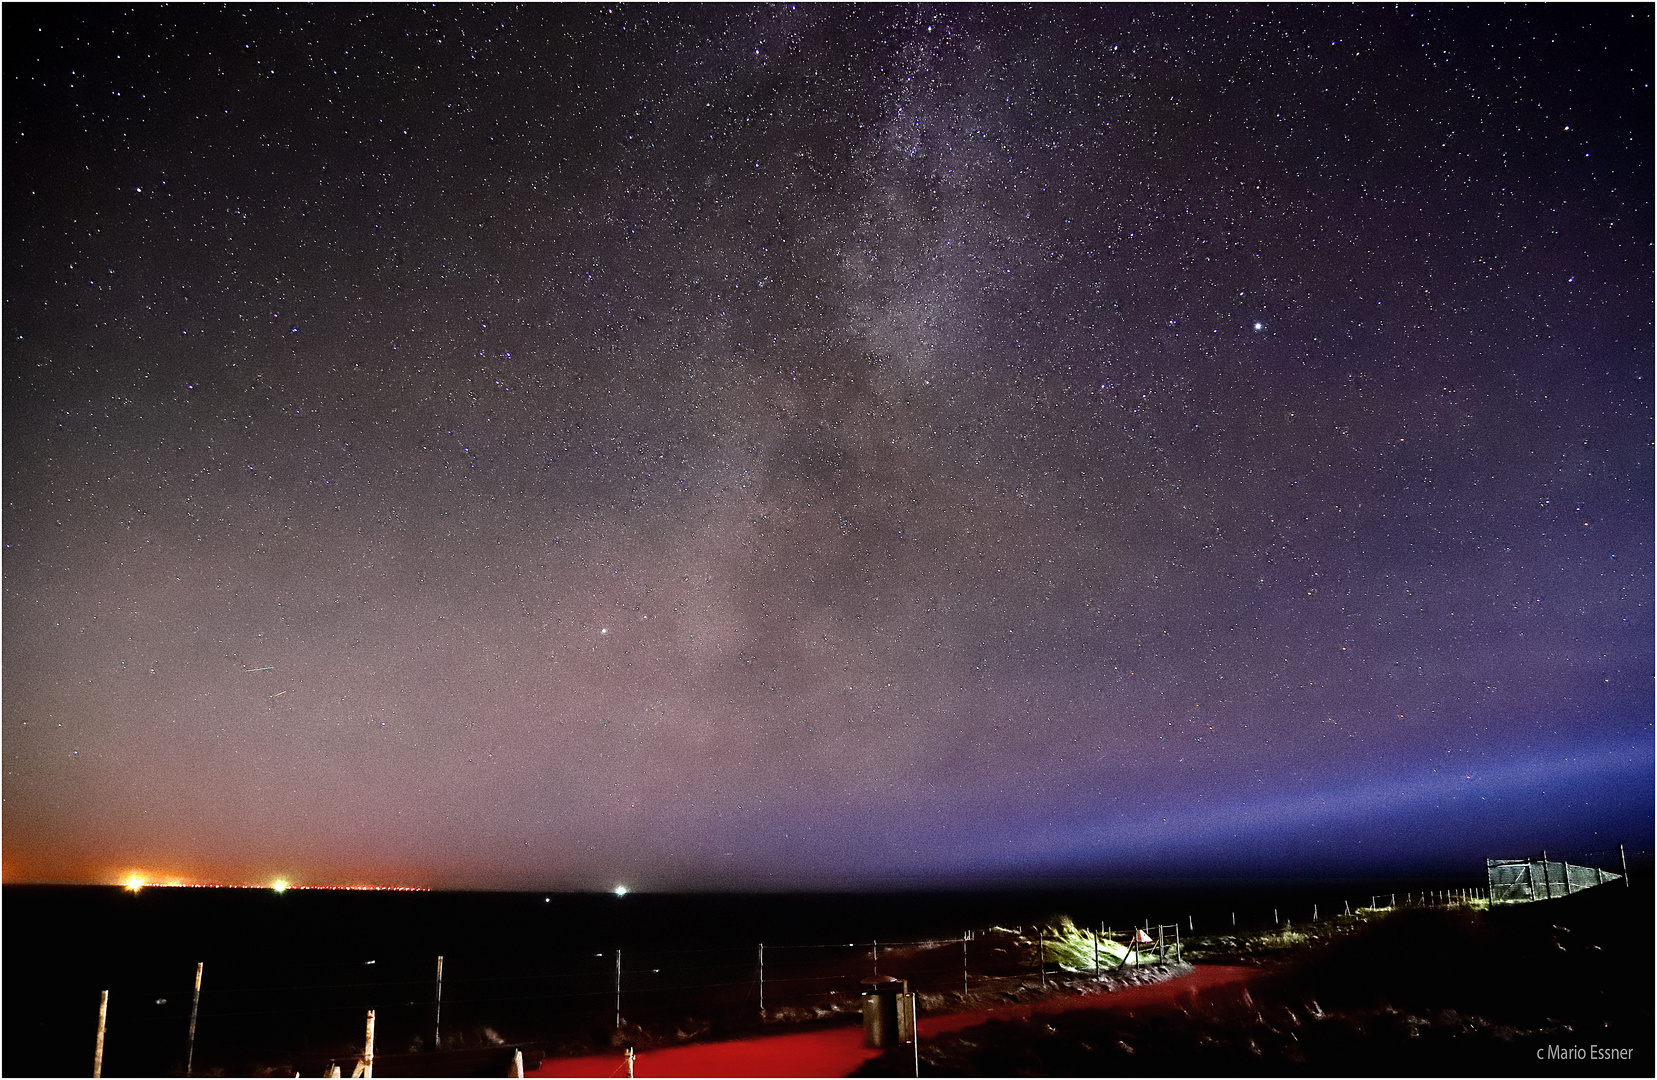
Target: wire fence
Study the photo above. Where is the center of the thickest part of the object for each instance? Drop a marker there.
(679, 993)
(245, 1020)
(1516, 881)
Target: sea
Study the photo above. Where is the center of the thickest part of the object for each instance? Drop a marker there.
(287, 978)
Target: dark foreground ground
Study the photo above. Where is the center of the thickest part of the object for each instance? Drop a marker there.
(289, 977)
(1415, 992)
(1561, 987)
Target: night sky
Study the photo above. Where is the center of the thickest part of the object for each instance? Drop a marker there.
(763, 447)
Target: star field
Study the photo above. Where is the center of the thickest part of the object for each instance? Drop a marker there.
(752, 447)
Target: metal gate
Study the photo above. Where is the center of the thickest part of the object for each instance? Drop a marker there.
(1518, 881)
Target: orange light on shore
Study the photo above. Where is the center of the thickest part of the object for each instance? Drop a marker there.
(134, 882)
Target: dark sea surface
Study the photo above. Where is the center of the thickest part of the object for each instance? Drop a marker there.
(288, 977)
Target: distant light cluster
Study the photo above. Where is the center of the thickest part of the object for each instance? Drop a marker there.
(135, 882)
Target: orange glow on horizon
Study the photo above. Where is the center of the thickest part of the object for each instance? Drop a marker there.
(135, 882)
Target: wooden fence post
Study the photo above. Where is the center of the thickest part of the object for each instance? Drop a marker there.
(365, 1064)
(98, 1054)
(195, 1006)
(437, 1016)
(915, 1028)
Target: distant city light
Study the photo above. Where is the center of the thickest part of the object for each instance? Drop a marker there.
(134, 882)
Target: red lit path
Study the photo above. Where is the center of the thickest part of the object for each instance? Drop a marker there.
(837, 1051)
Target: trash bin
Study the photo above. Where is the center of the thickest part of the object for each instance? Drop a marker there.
(888, 1012)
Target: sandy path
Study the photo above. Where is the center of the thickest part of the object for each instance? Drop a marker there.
(837, 1051)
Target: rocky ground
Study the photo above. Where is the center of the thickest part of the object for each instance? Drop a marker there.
(1422, 991)
(1556, 987)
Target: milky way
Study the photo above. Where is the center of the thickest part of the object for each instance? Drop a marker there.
(758, 447)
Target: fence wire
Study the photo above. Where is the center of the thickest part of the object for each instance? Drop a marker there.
(585, 996)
